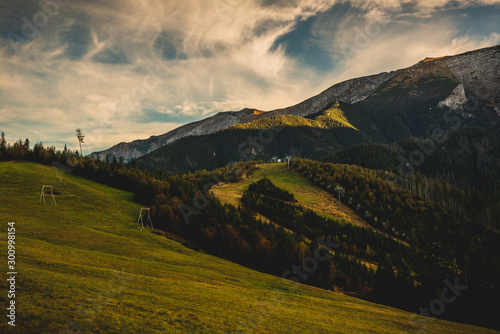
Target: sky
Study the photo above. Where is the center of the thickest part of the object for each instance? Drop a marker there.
(128, 69)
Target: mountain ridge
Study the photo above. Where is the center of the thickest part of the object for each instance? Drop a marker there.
(474, 72)
(223, 120)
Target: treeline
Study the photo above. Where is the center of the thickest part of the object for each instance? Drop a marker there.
(459, 171)
(21, 150)
(450, 244)
(184, 205)
(267, 187)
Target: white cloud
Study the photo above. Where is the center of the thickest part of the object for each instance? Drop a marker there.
(228, 57)
(380, 41)
(221, 56)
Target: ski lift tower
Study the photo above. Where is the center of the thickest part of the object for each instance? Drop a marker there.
(340, 189)
(146, 212)
(51, 197)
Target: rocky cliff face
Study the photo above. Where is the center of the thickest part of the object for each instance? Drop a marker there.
(456, 100)
(477, 72)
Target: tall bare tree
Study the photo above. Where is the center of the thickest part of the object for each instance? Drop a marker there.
(80, 137)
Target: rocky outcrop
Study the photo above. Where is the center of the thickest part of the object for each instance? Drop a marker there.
(479, 71)
(456, 100)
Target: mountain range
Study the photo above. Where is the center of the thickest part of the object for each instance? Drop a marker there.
(435, 95)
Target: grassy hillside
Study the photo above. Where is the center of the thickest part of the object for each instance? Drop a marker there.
(83, 266)
(306, 193)
(330, 119)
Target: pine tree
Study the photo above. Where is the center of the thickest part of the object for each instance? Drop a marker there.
(3, 143)
(3, 147)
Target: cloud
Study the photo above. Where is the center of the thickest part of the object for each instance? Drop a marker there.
(366, 40)
(95, 65)
(125, 69)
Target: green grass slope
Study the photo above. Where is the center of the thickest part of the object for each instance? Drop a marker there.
(330, 119)
(307, 194)
(84, 267)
